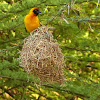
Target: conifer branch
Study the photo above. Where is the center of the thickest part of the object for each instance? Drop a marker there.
(22, 94)
(86, 23)
(95, 19)
(79, 49)
(6, 16)
(82, 11)
(65, 90)
(12, 40)
(12, 28)
(22, 9)
(27, 81)
(59, 12)
(89, 60)
(60, 45)
(12, 48)
(7, 91)
(40, 94)
(49, 86)
(54, 4)
(83, 1)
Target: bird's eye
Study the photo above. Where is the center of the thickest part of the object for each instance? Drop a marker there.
(36, 11)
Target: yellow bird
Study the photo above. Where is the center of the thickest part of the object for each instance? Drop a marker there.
(31, 20)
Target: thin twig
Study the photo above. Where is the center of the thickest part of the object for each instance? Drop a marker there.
(85, 22)
(59, 12)
(97, 4)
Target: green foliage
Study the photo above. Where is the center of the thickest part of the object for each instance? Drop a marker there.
(77, 24)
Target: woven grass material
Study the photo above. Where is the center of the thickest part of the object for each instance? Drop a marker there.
(42, 56)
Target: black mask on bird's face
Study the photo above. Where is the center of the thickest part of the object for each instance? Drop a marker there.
(36, 12)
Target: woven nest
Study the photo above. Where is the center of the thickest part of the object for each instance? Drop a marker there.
(42, 56)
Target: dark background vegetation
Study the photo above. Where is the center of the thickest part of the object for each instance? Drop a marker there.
(77, 24)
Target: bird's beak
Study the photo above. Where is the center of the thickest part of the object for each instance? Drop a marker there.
(38, 12)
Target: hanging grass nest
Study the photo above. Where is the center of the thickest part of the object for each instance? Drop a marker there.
(42, 56)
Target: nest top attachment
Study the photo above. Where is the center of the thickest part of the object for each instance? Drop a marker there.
(42, 56)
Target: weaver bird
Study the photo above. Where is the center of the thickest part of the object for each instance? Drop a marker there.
(31, 20)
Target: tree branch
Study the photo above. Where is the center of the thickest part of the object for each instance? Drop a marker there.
(27, 81)
(41, 94)
(49, 86)
(59, 12)
(22, 9)
(12, 28)
(7, 91)
(78, 49)
(65, 90)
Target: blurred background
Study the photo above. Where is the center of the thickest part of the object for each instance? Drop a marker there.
(77, 30)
